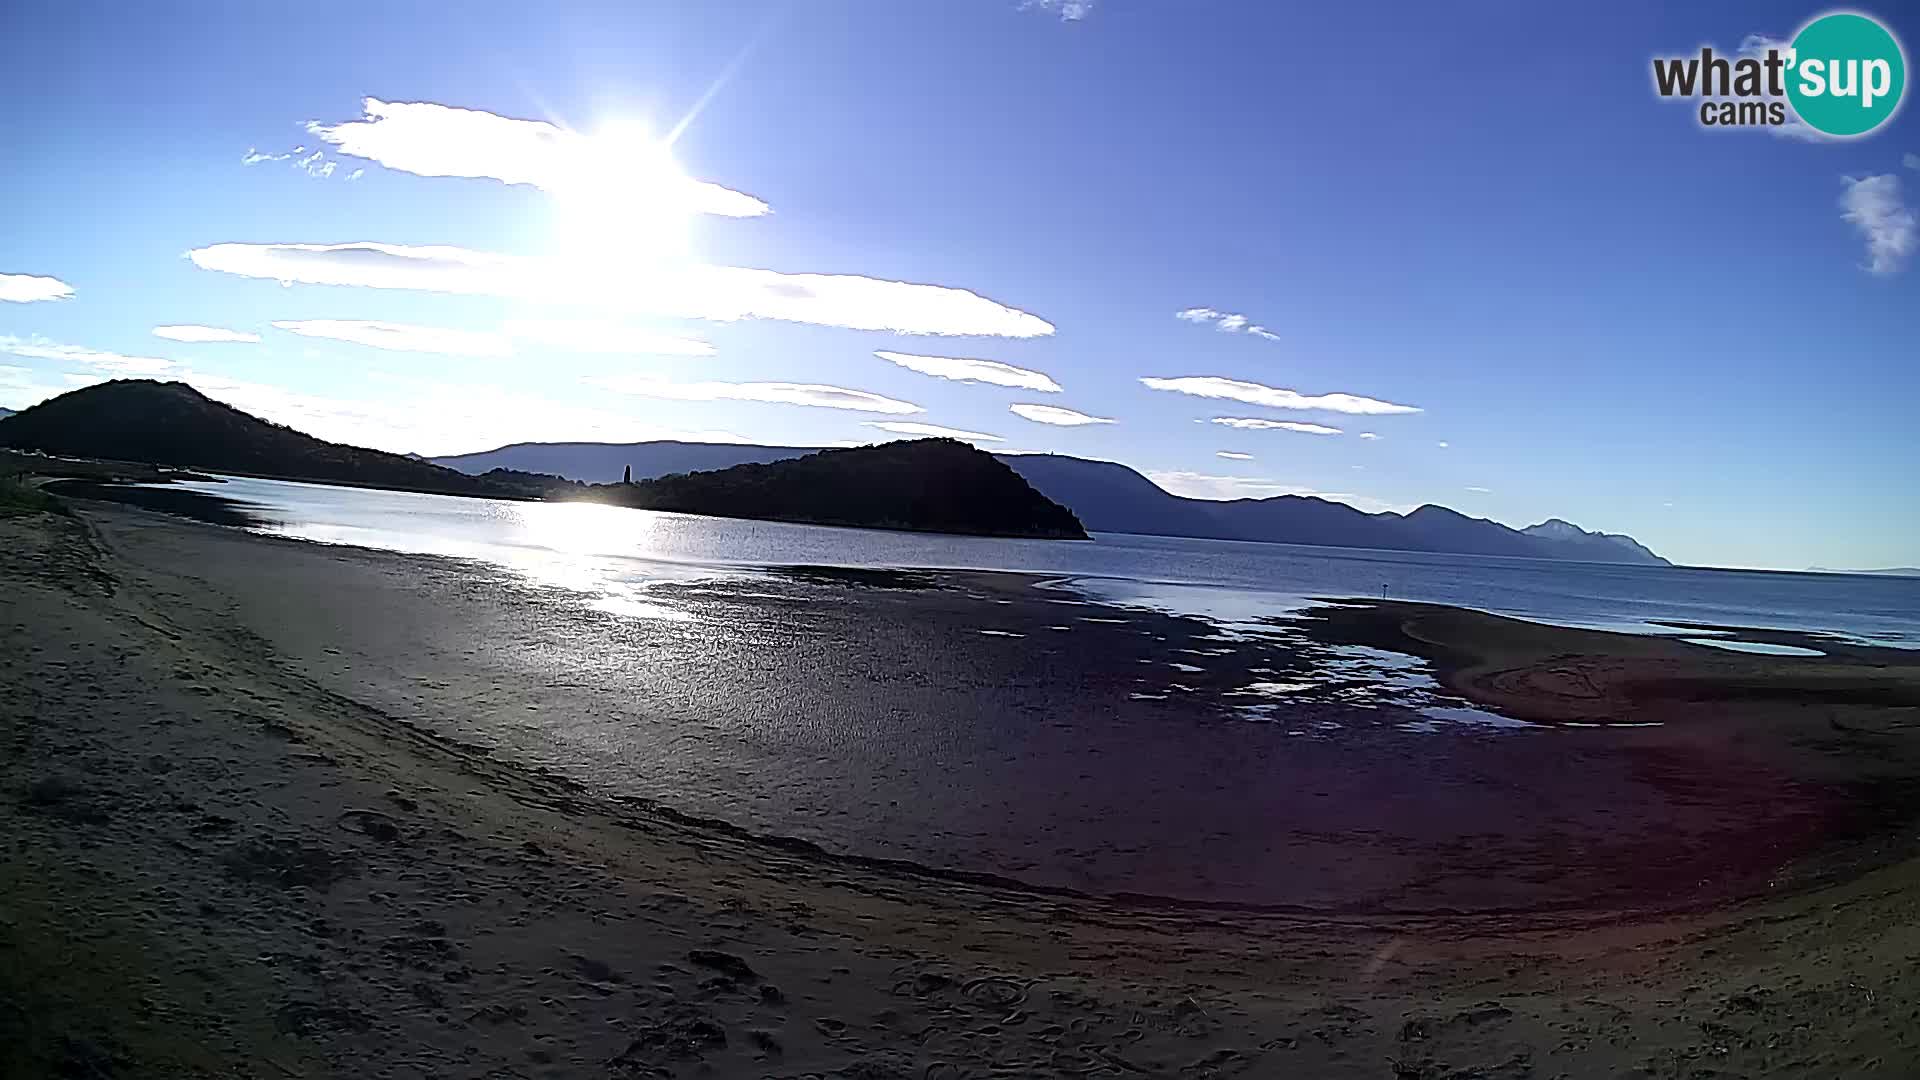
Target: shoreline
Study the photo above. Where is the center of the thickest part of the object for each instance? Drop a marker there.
(358, 893)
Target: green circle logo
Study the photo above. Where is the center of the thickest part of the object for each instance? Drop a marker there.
(1846, 74)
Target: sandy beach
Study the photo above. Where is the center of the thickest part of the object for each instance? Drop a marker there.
(277, 809)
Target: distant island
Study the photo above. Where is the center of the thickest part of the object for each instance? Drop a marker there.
(170, 423)
(1110, 497)
(923, 485)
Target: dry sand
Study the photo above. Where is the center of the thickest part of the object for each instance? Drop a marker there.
(219, 864)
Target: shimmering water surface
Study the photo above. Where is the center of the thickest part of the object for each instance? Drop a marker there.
(1062, 731)
(613, 554)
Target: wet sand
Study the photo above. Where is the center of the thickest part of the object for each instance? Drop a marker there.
(267, 816)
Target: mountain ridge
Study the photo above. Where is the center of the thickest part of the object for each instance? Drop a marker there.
(1110, 497)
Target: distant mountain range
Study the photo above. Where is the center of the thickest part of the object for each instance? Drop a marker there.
(1109, 497)
(171, 423)
(4, 413)
(1891, 571)
(925, 485)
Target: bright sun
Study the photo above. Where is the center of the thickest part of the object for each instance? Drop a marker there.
(621, 198)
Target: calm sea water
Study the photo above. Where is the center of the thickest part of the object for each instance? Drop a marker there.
(614, 554)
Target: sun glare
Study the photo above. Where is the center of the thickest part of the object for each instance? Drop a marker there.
(621, 197)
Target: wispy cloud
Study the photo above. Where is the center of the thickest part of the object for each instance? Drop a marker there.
(1911, 161)
(1248, 423)
(932, 431)
(29, 288)
(431, 417)
(1068, 10)
(1872, 204)
(1480, 490)
(601, 337)
(1213, 386)
(314, 163)
(401, 337)
(780, 393)
(716, 293)
(1442, 445)
(1197, 485)
(973, 371)
(203, 334)
(1058, 417)
(38, 348)
(1232, 456)
(402, 415)
(1227, 322)
(1368, 435)
(428, 139)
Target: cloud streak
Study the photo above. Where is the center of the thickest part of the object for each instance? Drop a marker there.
(31, 288)
(931, 431)
(1873, 206)
(777, 393)
(112, 363)
(1231, 455)
(694, 291)
(429, 139)
(200, 335)
(401, 337)
(599, 337)
(1226, 322)
(973, 371)
(1251, 393)
(1068, 10)
(1248, 423)
(1056, 416)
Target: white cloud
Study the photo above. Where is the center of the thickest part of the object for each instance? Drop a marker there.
(1226, 322)
(203, 334)
(1480, 490)
(1068, 10)
(717, 293)
(407, 415)
(980, 371)
(113, 363)
(314, 164)
(1058, 417)
(1911, 161)
(1441, 445)
(1247, 423)
(933, 431)
(426, 417)
(1232, 456)
(28, 288)
(427, 139)
(780, 393)
(1196, 485)
(1872, 205)
(1368, 435)
(1213, 386)
(600, 337)
(401, 337)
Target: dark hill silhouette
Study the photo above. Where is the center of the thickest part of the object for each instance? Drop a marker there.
(171, 423)
(4, 413)
(1110, 497)
(926, 485)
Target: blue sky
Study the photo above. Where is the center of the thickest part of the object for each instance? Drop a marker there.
(1603, 311)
